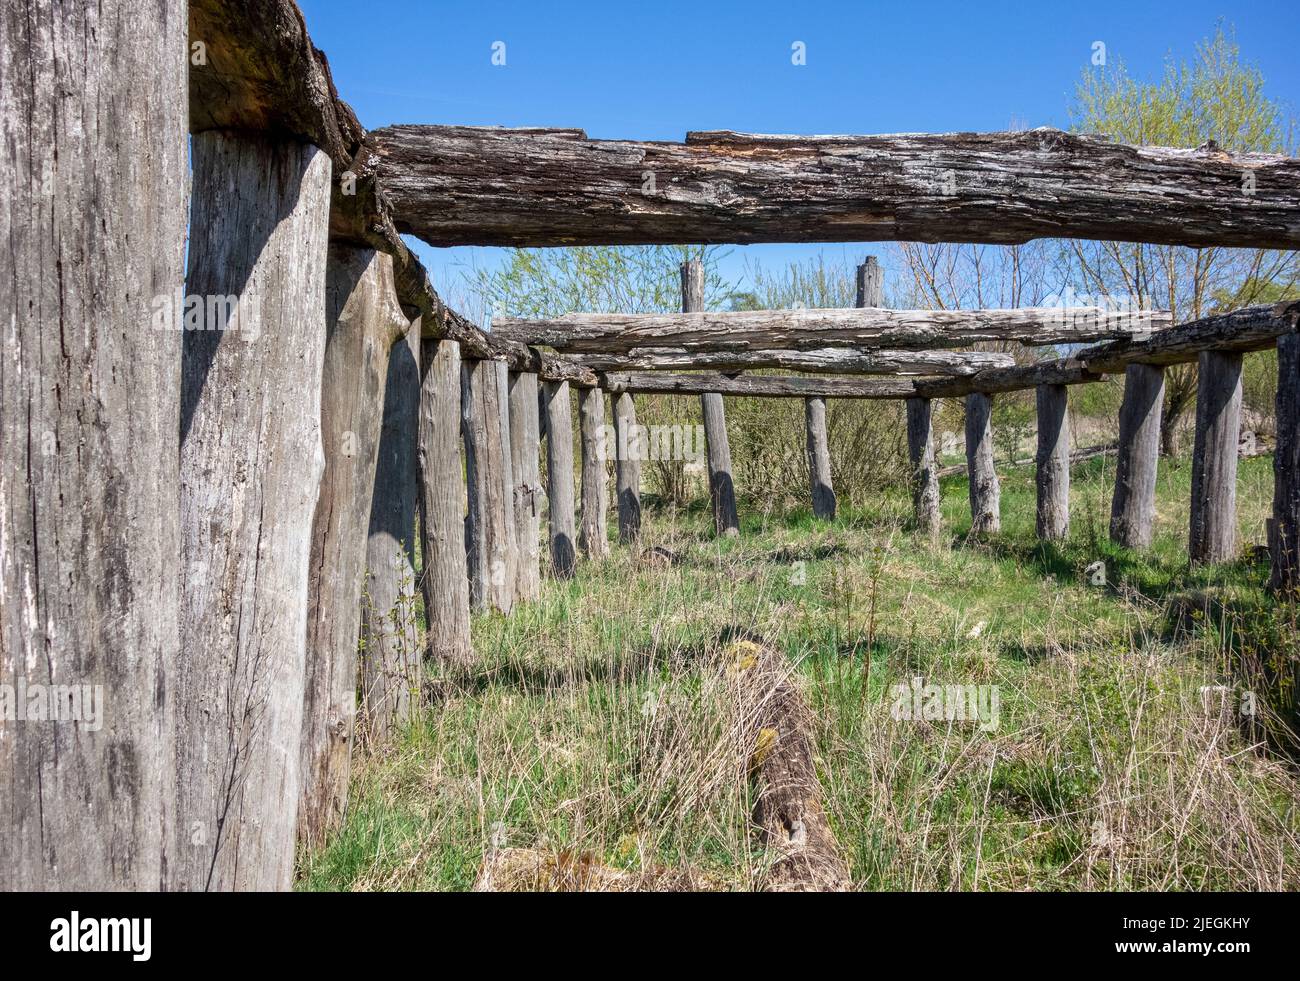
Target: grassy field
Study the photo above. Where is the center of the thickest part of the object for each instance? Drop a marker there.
(594, 724)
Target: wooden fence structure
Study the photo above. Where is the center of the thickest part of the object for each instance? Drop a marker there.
(211, 473)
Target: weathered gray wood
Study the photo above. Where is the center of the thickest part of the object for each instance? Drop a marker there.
(872, 327)
(593, 535)
(629, 451)
(459, 185)
(1284, 529)
(819, 458)
(251, 464)
(722, 490)
(1132, 509)
(985, 494)
(390, 630)
(363, 321)
(756, 386)
(525, 449)
(442, 513)
(1248, 329)
(1213, 536)
(871, 283)
(831, 360)
(508, 476)
(562, 526)
(491, 525)
(924, 467)
(92, 214)
(1058, 371)
(1052, 475)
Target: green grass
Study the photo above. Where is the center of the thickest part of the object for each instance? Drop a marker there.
(593, 724)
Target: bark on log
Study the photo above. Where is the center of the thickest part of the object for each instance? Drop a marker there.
(392, 655)
(1213, 536)
(819, 459)
(459, 185)
(491, 526)
(363, 321)
(788, 807)
(1132, 509)
(1284, 529)
(251, 464)
(1249, 329)
(924, 476)
(722, 490)
(92, 213)
(562, 527)
(985, 494)
(442, 514)
(594, 534)
(755, 386)
(742, 331)
(831, 360)
(1052, 476)
(629, 449)
(525, 448)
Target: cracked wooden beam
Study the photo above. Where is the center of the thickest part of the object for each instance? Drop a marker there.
(460, 185)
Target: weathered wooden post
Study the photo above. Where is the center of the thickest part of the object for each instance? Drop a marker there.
(92, 213)
(251, 464)
(524, 456)
(871, 283)
(1213, 536)
(924, 469)
(442, 512)
(985, 503)
(559, 478)
(1132, 509)
(363, 321)
(491, 548)
(722, 489)
(630, 449)
(392, 655)
(1284, 529)
(819, 458)
(508, 477)
(1053, 463)
(593, 535)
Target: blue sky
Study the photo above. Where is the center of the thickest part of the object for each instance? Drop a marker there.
(655, 70)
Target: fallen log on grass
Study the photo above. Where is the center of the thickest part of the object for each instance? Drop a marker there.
(788, 810)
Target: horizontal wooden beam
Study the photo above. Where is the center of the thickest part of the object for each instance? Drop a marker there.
(458, 185)
(863, 327)
(755, 386)
(1057, 371)
(831, 360)
(1250, 329)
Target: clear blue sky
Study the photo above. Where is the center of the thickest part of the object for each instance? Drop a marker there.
(621, 69)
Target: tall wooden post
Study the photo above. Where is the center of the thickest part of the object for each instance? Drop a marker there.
(92, 213)
(924, 469)
(251, 463)
(594, 535)
(1213, 536)
(985, 495)
(363, 321)
(630, 448)
(1053, 463)
(524, 456)
(559, 478)
(819, 458)
(1132, 509)
(491, 527)
(1284, 529)
(871, 283)
(392, 655)
(442, 512)
(722, 489)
